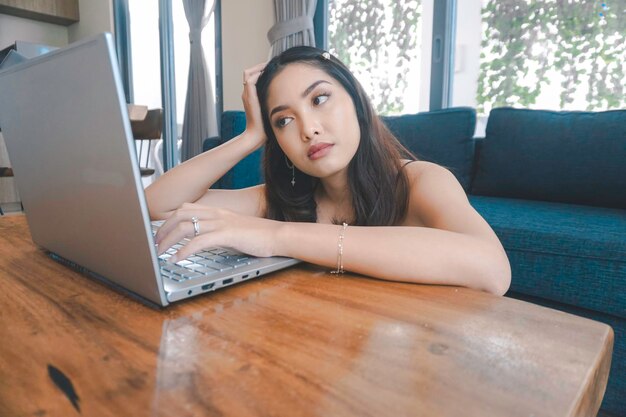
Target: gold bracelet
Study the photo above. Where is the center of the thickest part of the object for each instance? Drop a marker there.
(340, 250)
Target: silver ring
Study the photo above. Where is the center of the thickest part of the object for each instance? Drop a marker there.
(196, 226)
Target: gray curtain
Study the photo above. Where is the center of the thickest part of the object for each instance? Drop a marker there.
(294, 25)
(200, 121)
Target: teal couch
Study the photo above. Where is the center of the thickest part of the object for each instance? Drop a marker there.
(552, 185)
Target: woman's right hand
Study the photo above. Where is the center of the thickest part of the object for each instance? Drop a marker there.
(254, 122)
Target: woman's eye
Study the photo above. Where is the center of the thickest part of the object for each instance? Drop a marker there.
(283, 121)
(320, 99)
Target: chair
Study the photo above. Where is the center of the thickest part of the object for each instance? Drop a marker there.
(7, 172)
(147, 125)
(4, 173)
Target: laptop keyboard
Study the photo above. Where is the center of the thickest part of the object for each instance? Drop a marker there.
(201, 264)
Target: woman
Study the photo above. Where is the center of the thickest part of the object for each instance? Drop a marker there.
(337, 192)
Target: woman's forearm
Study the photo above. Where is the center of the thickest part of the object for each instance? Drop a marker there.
(189, 181)
(410, 254)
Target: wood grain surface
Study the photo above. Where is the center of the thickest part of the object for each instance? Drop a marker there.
(301, 342)
(62, 12)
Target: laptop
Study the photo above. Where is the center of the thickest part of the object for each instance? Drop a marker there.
(64, 119)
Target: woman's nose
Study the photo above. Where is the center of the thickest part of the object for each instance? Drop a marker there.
(311, 128)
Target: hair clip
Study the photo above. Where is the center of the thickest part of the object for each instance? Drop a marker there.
(326, 55)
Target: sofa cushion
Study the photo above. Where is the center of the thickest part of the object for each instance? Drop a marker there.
(442, 136)
(569, 157)
(568, 253)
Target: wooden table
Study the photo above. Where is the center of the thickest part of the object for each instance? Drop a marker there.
(301, 342)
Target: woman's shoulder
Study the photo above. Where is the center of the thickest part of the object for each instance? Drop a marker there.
(427, 177)
(431, 187)
(416, 169)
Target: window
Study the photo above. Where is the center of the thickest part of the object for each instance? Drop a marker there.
(528, 53)
(140, 21)
(540, 54)
(144, 29)
(387, 46)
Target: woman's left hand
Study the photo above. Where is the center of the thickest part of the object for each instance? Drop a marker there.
(217, 228)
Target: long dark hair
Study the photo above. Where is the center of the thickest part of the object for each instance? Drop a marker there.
(378, 185)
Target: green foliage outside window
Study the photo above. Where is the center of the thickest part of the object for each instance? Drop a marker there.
(377, 40)
(583, 41)
(527, 44)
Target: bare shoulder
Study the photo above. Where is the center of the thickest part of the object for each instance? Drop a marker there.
(428, 173)
(439, 201)
(430, 186)
(247, 201)
(420, 167)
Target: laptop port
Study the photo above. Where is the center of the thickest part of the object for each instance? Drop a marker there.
(245, 276)
(206, 287)
(227, 281)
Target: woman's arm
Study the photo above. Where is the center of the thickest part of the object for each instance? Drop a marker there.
(406, 253)
(455, 246)
(190, 181)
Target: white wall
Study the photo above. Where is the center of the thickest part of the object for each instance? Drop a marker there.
(245, 24)
(16, 28)
(95, 17)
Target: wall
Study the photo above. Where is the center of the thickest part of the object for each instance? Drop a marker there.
(95, 17)
(245, 24)
(14, 28)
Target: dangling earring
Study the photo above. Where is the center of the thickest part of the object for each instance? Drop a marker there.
(293, 171)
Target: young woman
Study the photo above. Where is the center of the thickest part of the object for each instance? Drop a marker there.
(338, 192)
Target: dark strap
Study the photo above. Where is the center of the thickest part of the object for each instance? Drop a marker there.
(402, 167)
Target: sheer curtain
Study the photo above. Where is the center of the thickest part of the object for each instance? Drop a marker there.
(200, 120)
(294, 25)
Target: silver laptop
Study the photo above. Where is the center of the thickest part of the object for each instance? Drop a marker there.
(67, 131)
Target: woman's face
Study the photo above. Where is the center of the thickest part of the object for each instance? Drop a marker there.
(314, 120)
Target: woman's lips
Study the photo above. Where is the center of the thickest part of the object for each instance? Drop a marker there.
(320, 150)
